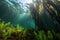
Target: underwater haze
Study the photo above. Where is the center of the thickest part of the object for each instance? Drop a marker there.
(29, 19)
(16, 12)
(41, 14)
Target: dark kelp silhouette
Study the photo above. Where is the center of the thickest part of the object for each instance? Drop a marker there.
(49, 17)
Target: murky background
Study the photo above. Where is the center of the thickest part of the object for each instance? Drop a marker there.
(16, 12)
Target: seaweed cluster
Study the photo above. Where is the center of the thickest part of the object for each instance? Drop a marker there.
(9, 32)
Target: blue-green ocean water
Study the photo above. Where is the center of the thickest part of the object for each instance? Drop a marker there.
(16, 12)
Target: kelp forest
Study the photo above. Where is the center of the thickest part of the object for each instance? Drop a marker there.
(29, 19)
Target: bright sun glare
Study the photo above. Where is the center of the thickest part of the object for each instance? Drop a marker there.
(25, 1)
(28, 1)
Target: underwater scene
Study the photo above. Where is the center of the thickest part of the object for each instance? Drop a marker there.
(29, 19)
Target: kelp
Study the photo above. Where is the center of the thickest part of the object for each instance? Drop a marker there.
(19, 33)
(46, 14)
